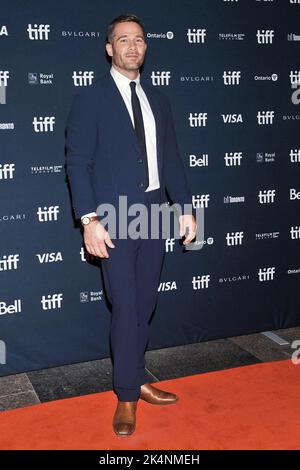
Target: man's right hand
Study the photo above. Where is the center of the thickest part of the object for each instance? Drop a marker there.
(96, 238)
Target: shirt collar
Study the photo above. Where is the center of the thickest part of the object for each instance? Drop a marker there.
(121, 80)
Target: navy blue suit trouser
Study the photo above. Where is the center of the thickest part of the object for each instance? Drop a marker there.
(131, 279)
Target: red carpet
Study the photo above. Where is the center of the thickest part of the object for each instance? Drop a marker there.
(250, 407)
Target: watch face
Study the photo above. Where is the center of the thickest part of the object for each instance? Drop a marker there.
(85, 220)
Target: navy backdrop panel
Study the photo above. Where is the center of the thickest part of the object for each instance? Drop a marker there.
(231, 70)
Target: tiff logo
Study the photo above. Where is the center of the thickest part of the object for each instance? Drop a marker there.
(295, 155)
(266, 274)
(196, 35)
(197, 119)
(295, 232)
(231, 77)
(38, 32)
(6, 171)
(9, 262)
(169, 245)
(266, 196)
(265, 117)
(160, 78)
(83, 78)
(234, 238)
(43, 124)
(200, 282)
(233, 158)
(51, 302)
(48, 214)
(294, 77)
(200, 201)
(265, 36)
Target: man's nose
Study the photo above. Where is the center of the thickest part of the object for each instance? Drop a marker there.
(132, 45)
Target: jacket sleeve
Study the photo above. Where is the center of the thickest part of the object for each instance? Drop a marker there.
(175, 176)
(81, 139)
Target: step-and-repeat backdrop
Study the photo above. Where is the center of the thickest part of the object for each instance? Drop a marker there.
(232, 72)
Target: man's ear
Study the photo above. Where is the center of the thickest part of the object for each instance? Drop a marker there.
(109, 50)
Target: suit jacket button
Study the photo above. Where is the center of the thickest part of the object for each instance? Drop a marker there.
(140, 160)
(141, 185)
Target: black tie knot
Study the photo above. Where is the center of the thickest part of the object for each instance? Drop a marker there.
(132, 86)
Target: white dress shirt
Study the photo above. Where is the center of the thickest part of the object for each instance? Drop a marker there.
(122, 83)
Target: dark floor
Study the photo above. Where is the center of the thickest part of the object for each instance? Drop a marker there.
(95, 376)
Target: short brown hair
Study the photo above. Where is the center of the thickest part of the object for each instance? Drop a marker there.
(122, 19)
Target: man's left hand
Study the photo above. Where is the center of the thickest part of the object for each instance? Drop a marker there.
(188, 227)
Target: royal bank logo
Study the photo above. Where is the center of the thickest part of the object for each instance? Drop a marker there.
(52, 301)
(234, 238)
(265, 157)
(48, 214)
(232, 77)
(197, 119)
(265, 36)
(266, 274)
(266, 196)
(38, 32)
(200, 282)
(43, 124)
(295, 155)
(35, 78)
(83, 78)
(196, 36)
(233, 158)
(161, 78)
(265, 118)
(91, 296)
(7, 171)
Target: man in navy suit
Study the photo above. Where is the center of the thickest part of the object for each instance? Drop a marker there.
(121, 141)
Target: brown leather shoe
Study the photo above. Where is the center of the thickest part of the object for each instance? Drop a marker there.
(155, 396)
(124, 418)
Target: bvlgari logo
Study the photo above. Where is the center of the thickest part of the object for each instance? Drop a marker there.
(81, 34)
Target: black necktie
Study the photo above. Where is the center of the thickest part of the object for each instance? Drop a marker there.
(139, 127)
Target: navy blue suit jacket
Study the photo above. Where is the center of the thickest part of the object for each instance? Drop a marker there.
(103, 159)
